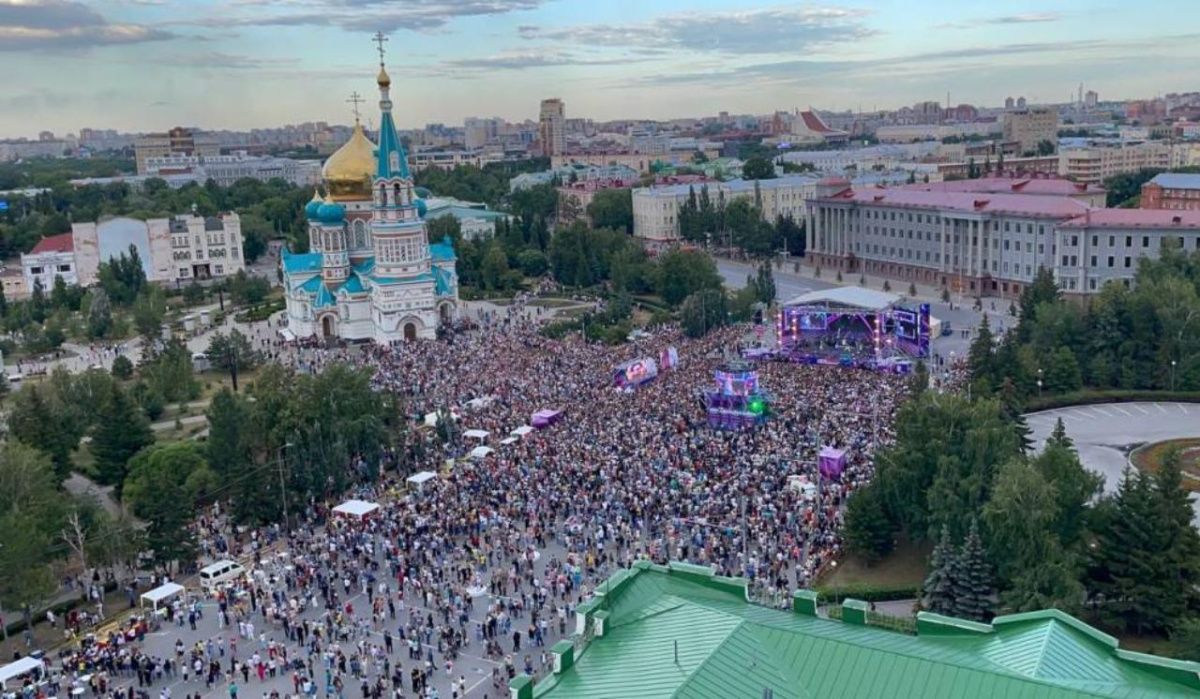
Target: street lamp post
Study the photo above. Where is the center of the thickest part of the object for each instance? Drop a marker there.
(1173, 374)
(1039, 383)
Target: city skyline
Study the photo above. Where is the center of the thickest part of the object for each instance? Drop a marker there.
(147, 65)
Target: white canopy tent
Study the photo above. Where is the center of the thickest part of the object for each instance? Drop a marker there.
(476, 434)
(480, 403)
(18, 668)
(847, 296)
(509, 440)
(418, 480)
(481, 452)
(356, 508)
(521, 431)
(161, 594)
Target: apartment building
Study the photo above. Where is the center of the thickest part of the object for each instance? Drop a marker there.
(177, 141)
(1174, 191)
(1105, 245)
(1097, 162)
(1030, 127)
(172, 250)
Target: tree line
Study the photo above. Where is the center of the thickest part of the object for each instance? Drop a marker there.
(737, 223)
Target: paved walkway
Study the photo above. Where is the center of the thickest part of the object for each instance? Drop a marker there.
(1105, 434)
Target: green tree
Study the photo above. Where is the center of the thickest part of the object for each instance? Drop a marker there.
(612, 208)
(972, 579)
(533, 263)
(99, 316)
(758, 168)
(39, 305)
(764, 284)
(149, 309)
(938, 591)
(979, 357)
(702, 311)
(232, 352)
(169, 373)
(684, 272)
(181, 463)
(121, 431)
(495, 267)
(869, 531)
(122, 368)
(39, 420)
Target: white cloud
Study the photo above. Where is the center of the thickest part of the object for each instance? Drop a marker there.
(64, 24)
(768, 30)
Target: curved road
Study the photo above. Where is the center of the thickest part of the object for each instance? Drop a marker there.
(1105, 434)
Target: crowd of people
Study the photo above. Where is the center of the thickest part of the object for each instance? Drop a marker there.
(484, 566)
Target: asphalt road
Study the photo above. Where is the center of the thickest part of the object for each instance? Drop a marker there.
(1105, 434)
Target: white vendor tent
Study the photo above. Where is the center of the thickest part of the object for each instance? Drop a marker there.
(356, 508)
(521, 431)
(509, 440)
(161, 594)
(20, 667)
(481, 452)
(418, 480)
(476, 434)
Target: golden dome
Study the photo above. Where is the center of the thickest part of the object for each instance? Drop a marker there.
(383, 79)
(349, 170)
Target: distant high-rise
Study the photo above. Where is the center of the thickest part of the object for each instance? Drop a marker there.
(551, 126)
(1020, 103)
(1091, 99)
(1008, 102)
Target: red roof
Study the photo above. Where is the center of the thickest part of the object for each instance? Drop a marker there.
(1015, 204)
(55, 243)
(1136, 218)
(1016, 185)
(813, 123)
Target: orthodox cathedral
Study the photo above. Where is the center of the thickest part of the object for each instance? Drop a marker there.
(371, 273)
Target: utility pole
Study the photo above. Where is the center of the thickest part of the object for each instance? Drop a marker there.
(283, 486)
(745, 541)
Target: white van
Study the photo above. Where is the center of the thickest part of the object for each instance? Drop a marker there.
(221, 572)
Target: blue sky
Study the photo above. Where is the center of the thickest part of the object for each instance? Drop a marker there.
(151, 64)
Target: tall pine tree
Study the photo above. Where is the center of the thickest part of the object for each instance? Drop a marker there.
(937, 594)
(122, 430)
(972, 579)
(1123, 570)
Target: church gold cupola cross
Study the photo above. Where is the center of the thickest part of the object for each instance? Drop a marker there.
(355, 99)
(379, 38)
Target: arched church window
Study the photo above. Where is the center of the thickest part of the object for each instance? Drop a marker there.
(360, 234)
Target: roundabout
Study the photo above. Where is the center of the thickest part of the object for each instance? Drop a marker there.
(1105, 435)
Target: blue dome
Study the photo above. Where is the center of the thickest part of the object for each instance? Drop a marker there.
(312, 209)
(422, 207)
(422, 192)
(331, 213)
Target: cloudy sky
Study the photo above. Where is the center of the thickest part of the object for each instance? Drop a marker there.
(151, 64)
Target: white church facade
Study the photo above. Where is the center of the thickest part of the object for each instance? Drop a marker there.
(371, 273)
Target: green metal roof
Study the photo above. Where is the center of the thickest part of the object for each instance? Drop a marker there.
(728, 648)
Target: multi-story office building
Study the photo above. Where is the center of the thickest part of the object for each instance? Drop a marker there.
(656, 209)
(986, 243)
(973, 243)
(1030, 127)
(177, 249)
(177, 141)
(1104, 245)
(1175, 191)
(1097, 162)
(552, 126)
(1090, 194)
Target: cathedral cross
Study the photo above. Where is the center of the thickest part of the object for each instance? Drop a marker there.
(355, 99)
(379, 38)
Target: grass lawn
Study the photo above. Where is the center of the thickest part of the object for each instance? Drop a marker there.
(904, 566)
(1147, 458)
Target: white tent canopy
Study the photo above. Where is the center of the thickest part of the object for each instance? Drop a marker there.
(418, 480)
(481, 452)
(510, 440)
(476, 434)
(521, 431)
(480, 403)
(161, 593)
(852, 296)
(18, 668)
(356, 508)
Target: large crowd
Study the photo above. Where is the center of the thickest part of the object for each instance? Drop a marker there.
(489, 559)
